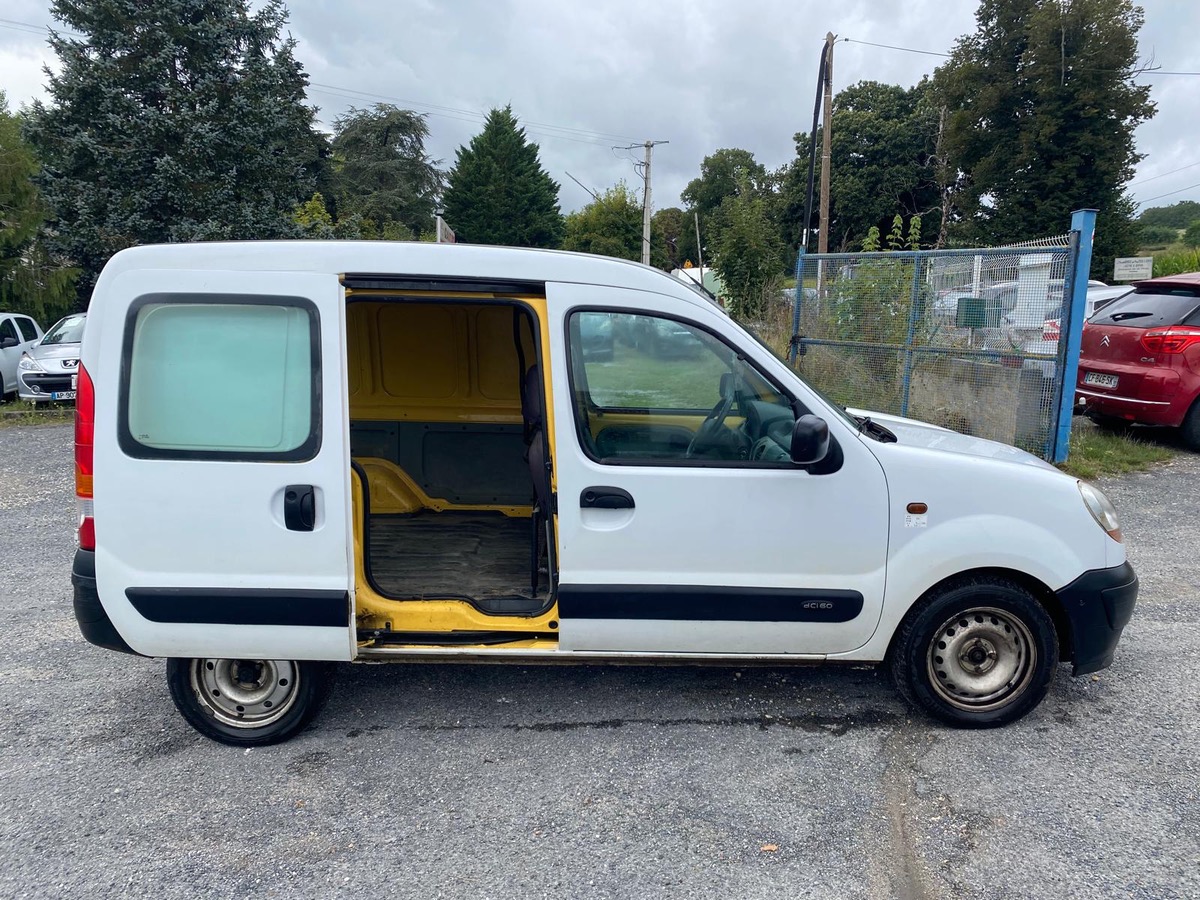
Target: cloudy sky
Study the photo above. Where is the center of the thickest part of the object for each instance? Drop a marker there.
(589, 79)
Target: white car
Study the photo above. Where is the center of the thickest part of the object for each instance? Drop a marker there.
(18, 334)
(291, 454)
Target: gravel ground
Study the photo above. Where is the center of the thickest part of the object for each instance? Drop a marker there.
(449, 781)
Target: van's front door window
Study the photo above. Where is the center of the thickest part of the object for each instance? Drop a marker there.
(655, 388)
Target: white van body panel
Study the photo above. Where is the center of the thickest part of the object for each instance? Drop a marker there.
(212, 524)
(983, 514)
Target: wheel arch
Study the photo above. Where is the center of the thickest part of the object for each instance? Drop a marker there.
(1040, 590)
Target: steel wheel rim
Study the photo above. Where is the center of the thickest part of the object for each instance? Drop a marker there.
(245, 693)
(981, 659)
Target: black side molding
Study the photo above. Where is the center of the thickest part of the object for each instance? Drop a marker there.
(707, 603)
(94, 624)
(236, 606)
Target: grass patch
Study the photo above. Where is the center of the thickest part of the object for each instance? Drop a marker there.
(24, 413)
(1095, 453)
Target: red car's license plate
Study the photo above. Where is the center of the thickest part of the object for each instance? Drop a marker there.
(1100, 379)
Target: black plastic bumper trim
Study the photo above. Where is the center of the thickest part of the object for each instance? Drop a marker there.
(94, 624)
(707, 603)
(236, 606)
(1099, 604)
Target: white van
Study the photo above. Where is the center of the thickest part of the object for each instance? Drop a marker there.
(293, 454)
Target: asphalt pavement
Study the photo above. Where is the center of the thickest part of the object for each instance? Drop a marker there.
(481, 781)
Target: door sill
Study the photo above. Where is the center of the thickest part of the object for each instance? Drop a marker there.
(526, 651)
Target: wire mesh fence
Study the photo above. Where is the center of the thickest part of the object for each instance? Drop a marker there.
(966, 339)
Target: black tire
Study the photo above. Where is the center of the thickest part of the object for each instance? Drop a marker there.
(1190, 429)
(1002, 660)
(1110, 424)
(248, 703)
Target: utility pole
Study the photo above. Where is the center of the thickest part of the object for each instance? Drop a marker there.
(826, 138)
(649, 145)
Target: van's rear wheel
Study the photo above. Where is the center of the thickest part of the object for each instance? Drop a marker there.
(248, 702)
(976, 654)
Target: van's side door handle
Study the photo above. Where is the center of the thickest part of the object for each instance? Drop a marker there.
(605, 498)
(299, 507)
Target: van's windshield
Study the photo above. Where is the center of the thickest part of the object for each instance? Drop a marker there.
(66, 331)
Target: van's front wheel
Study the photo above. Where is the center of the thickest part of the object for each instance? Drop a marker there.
(248, 702)
(976, 654)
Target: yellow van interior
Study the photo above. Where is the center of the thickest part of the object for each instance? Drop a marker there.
(449, 442)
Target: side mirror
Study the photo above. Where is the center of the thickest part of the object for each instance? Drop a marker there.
(810, 440)
(7, 342)
(727, 384)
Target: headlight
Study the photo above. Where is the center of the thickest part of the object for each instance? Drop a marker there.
(1101, 509)
(29, 364)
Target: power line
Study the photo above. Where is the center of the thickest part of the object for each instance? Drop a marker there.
(1164, 174)
(1132, 73)
(545, 129)
(1170, 193)
(890, 47)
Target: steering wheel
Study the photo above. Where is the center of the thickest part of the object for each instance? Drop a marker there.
(711, 426)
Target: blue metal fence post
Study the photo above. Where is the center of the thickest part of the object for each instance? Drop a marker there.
(793, 346)
(1083, 223)
(914, 310)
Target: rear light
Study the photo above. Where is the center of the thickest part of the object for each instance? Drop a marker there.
(1051, 330)
(85, 430)
(1170, 340)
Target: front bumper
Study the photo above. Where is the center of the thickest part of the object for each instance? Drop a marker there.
(1098, 605)
(41, 386)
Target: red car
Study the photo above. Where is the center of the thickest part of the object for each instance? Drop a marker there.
(1140, 358)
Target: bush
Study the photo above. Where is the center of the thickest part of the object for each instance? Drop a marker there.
(1191, 237)
(1157, 236)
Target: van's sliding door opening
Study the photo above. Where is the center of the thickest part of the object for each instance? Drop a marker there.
(449, 451)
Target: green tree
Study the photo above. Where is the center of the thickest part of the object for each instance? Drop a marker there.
(749, 253)
(172, 121)
(723, 174)
(1191, 237)
(30, 281)
(381, 172)
(672, 239)
(1178, 215)
(609, 226)
(498, 192)
(1042, 112)
(883, 153)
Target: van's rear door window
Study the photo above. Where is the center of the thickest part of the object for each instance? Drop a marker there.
(222, 380)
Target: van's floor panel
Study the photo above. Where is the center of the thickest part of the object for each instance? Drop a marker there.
(450, 554)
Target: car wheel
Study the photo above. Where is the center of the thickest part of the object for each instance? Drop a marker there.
(1111, 424)
(977, 653)
(1190, 429)
(248, 702)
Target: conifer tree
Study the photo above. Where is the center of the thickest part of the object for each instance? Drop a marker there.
(498, 191)
(172, 120)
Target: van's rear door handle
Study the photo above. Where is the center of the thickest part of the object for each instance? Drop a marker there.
(605, 498)
(299, 507)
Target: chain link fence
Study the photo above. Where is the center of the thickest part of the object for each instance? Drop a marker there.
(966, 339)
